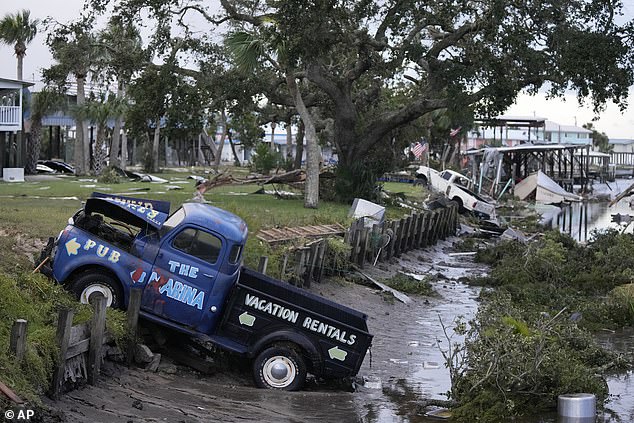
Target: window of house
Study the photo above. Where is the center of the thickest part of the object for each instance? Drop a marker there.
(200, 244)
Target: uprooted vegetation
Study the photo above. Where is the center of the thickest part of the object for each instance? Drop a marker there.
(410, 285)
(37, 300)
(531, 339)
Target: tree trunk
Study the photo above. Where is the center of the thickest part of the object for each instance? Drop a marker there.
(155, 145)
(100, 150)
(311, 191)
(166, 144)
(299, 146)
(289, 141)
(273, 136)
(34, 145)
(116, 131)
(20, 67)
(124, 149)
(80, 154)
(236, 159)
(223, 123)
(20, 135)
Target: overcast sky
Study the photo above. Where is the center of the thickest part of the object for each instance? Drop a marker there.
(565, 111)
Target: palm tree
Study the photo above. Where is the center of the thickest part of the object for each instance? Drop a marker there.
(18, 30)
(75, 50)
(123, 57)
(99, 112)
(44, 102)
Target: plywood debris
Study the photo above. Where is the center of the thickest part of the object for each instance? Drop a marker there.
(274, 235)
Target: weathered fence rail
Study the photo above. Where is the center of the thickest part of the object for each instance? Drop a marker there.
(301, 266)
(305, 265)
(392, 238)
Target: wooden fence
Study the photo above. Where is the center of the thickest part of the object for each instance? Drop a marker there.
(301, 266)
(81, 347)
(305, 265)
(383, 241)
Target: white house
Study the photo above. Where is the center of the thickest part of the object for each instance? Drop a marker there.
(12, 147)
(509, 131)
(620, 145)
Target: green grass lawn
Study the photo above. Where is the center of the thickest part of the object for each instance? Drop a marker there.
(41, 208)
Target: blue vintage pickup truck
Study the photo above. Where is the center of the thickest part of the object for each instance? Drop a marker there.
(189, 267)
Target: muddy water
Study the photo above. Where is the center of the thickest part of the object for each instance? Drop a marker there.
(407, 360)
(620, 407)
(579, 219)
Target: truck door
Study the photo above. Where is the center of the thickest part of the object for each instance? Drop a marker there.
(183, 276)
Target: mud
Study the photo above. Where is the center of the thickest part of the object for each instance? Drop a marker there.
(24, 244)
(405, 365)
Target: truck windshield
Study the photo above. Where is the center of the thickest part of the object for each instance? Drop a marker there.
(173, 221)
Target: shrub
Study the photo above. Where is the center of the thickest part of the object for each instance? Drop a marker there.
(410, 285)
(109, 176)
(519, 361)
(337, 260)
(265, 160)
(622, 300)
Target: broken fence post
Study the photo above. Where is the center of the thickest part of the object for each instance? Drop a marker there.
(363, 244)
(97, 329)
(283, 269)
(17, 343)
(321, 258)
(134, 306)
(62, 337)
(264, 261)
(299, 265)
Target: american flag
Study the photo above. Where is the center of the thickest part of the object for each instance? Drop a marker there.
(455, 132)
(419, 149)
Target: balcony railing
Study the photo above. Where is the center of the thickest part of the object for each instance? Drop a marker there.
(10, 116)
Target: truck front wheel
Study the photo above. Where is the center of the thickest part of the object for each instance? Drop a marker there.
(89, 285)
(279, 367)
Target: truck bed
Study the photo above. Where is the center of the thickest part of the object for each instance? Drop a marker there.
(261, 306)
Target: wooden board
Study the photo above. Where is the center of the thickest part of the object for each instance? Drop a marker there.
(274, 235)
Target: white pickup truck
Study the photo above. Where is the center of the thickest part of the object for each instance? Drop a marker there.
(454, 186)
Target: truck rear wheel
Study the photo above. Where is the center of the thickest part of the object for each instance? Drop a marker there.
(89, 285)
(279, 367)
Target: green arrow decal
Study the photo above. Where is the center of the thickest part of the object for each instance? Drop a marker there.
(246, 319)
(336, 354)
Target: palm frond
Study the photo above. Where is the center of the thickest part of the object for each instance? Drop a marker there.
(246, 50)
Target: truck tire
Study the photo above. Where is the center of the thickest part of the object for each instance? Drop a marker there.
(87, 285)
(279, 367)
(422, 180)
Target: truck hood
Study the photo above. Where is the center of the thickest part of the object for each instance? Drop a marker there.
(125, 212)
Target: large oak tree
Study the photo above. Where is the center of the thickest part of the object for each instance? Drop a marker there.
(448, 55)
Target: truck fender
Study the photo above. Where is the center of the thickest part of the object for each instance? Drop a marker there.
(308, 348)
(82, 266)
